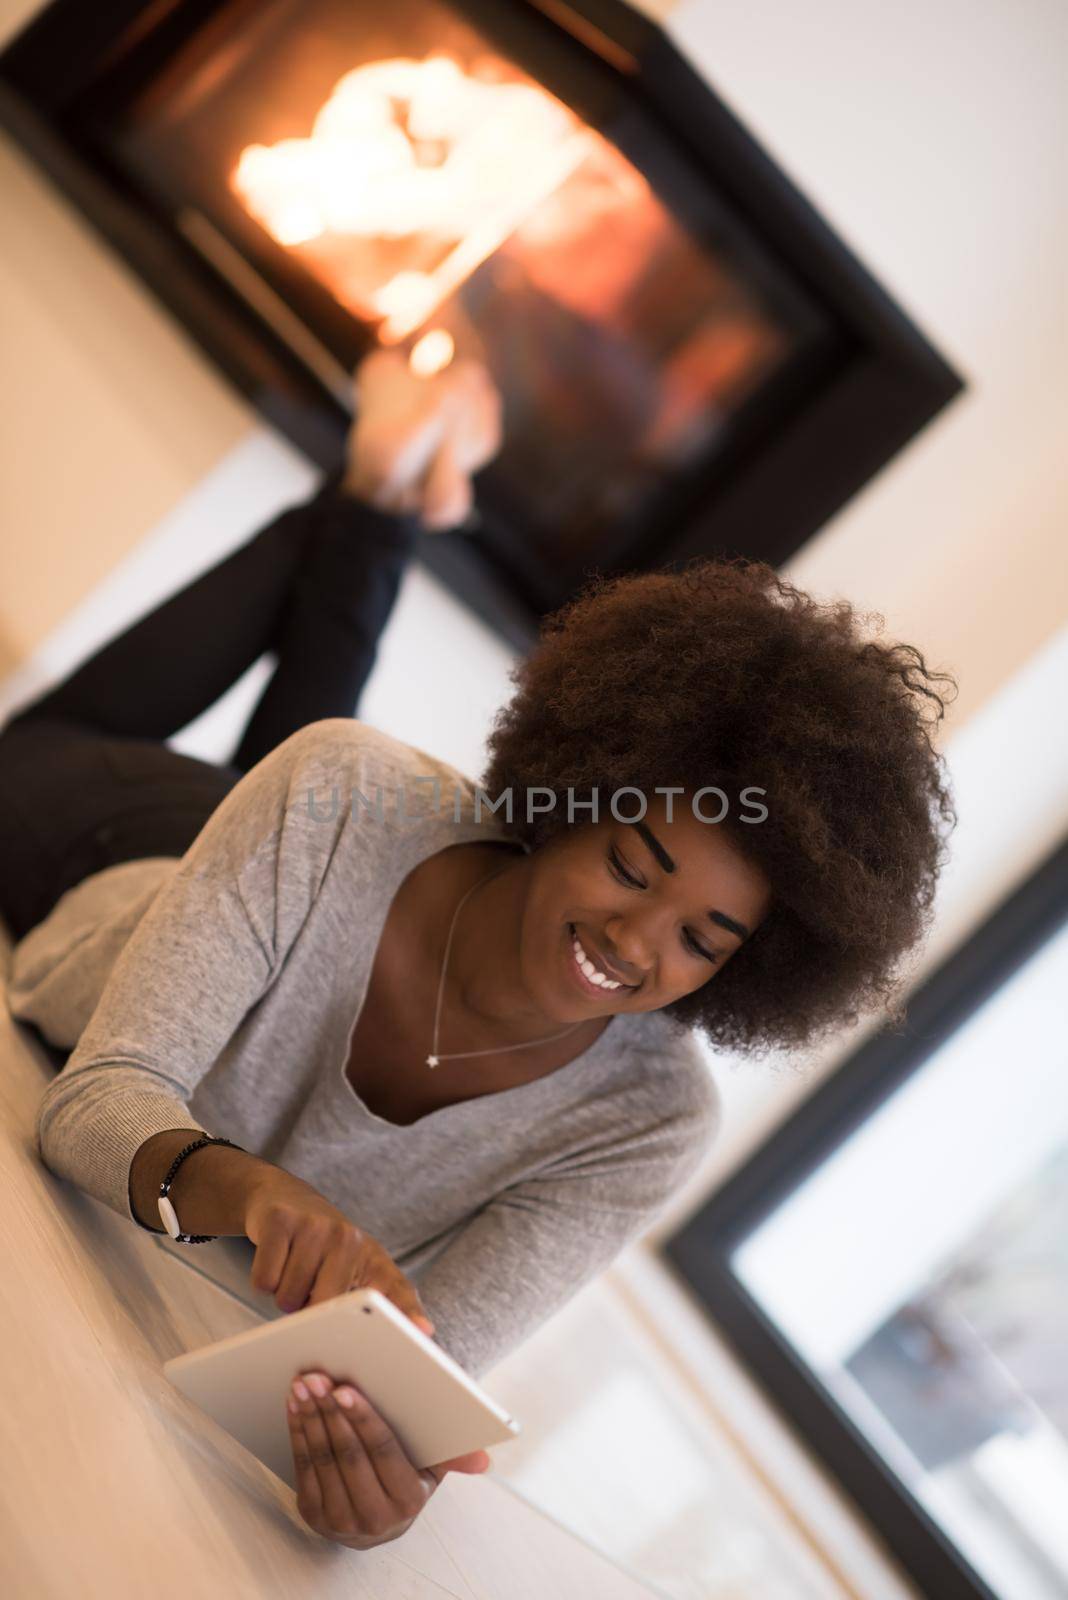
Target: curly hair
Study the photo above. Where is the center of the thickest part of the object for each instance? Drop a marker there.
(723, 672)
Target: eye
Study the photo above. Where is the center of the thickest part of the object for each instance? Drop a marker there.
(619, 871)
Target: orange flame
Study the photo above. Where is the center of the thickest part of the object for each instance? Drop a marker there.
(416, 151)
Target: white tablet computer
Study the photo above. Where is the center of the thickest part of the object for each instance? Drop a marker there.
(436, 1410)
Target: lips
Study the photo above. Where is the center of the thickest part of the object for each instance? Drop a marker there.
(599, 961)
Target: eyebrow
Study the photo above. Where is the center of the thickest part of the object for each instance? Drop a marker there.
(731, 924)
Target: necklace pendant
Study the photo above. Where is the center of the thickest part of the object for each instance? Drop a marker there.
(431, 1061)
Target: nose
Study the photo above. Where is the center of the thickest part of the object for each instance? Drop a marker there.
(626, 944)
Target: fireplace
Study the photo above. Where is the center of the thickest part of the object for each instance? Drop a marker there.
(691, 362)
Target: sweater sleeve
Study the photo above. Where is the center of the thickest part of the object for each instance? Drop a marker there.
(203, 954)
(526, 1253)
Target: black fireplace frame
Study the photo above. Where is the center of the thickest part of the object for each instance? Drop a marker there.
(887, 381)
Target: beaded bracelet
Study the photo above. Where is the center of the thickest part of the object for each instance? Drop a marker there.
(166, 1209)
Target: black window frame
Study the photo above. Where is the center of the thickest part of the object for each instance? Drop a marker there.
(700, 1252)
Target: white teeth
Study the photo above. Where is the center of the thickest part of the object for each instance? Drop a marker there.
(591, 971)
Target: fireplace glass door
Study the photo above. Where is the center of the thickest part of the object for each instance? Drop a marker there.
(454, 181)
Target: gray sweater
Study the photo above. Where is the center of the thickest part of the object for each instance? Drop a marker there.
(220, 991)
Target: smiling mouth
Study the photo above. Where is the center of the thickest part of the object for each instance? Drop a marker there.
(585, 983)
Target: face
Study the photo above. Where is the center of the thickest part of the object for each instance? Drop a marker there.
(659, 907)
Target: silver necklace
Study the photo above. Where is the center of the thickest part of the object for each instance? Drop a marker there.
(433, 1058)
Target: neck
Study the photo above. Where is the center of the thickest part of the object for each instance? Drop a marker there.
(484, 990)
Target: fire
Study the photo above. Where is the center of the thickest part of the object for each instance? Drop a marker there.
(413, 174)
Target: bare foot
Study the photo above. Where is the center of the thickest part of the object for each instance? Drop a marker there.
(416, 441)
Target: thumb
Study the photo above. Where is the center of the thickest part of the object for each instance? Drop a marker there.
(474, 1461)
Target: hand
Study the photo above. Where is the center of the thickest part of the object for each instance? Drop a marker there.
(416, 441)
(308, 1251)
(355, 1484)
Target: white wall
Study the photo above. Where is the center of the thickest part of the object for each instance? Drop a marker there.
(933, 136)
(109, 414)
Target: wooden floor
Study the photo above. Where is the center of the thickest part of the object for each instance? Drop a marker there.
(112, 1484)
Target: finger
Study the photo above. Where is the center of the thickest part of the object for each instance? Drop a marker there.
(408, 1304)
(473, 1461)
(334, 1276)
(477, 427)
(338, 1407)
(397, 1474)
(341, 1514)
(298, 1274)
(389, 1280)
(413, 1308)
(447, 494)
(486, 433)
(269, 1260)
(399, 1288)
(309, 1494)
(452, 513)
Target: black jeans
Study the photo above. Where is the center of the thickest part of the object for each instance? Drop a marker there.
(85, 778)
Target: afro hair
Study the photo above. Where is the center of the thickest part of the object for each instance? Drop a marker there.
(724, 673)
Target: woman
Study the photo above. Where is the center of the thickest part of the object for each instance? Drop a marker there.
(453, 1047)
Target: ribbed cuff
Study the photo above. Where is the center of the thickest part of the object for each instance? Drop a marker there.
(134, 1121)
(336, 505)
